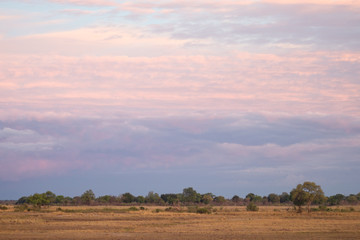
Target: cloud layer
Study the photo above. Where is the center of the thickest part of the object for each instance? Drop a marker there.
(227, 96)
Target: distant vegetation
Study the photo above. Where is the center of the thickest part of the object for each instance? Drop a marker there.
(305, 194)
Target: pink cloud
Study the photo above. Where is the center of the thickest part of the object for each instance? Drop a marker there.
(298, 84)
(16, 170)
(87, 2)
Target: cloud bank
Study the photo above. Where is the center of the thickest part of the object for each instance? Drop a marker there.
(226, 96)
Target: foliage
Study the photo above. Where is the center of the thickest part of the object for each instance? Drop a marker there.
(39, 200)
(3, 207)
(140, 199)
(253, 198)
(203, 210)
(128, 198)
(273, 198)
(220, 199)
(153, 198)
(189, 195)
(21, 208)
(170, 198)
(207, 198)
(60, 199)
(87, 197)
(306, 193)
(336, 199)
(352, 199)
(285, 197)
(252, 207)
(236, 199)
(22, 200)
(133, 209)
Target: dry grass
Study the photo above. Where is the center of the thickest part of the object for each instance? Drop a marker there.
(225, 223)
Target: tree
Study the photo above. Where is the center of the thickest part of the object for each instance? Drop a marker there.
(253, 198)
(60, 199)
(87, 197)
(38, 200)
(219, 199)
(190, 195)
(128, 198)
(306, 193)
(140, 199)
(336, 199)
(236, 199)
(51, 197)
(273, 198)
(22, 200)
(170, 198)
(153, 198)
(284, 197)
(207, 198)
(351, 199)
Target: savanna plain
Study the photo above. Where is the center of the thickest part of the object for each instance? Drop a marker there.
(150, 222)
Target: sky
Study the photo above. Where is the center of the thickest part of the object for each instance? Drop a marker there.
(228, 97)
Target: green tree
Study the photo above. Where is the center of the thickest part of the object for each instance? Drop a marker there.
(207, 198)
(128, 198)
(22, 200)
(252, 207)
(60, 199)
(153, 198)
(220, 199)
(51, 197)
(87, 197)
(306, 193)
(189, 195)
(170, 198)
(253, 198)
(336, 199)
(285, 197)
(140, 199)
(352, 199)
(273, 198)
(236, 199)
(38, 200)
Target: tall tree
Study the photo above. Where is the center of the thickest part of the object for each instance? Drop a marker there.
(87, 197)
(306, 193)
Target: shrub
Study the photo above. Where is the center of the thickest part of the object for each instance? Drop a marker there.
(22, 208)
(173, 209)
(3, 207)
(158, 210)
(324, 208)
(203, 210)
(252, 207)
(133, 209)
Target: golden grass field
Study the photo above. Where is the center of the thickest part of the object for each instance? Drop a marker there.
(226, 223)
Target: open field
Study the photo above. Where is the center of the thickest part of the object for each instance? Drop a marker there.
(225, 223)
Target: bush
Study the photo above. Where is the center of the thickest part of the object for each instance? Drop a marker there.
(252, 207)
(133, 209)
(22, 208)
(203, 210)
(3, 207)
(173, 209)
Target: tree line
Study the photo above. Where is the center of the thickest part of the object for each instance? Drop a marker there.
(304, 194)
